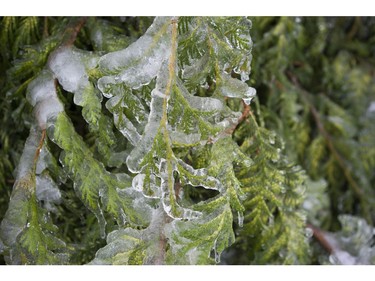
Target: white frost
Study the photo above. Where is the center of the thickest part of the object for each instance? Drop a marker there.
(41, 93)
(41, 88)
(70, 67)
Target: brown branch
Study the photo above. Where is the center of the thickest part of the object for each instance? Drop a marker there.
(245, 113)
(37, 152)
(71, 33)
(339, 159)
(320, 237)
(45, 27)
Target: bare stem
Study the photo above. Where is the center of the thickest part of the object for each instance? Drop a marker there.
(71, 33)
(320, 237)
(339, 159)
(37, 152)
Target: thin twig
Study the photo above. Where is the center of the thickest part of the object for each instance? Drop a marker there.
(45, 27)
(245, 113)
(320, 237)
(71, 33)
(37, 152)
(340, 160)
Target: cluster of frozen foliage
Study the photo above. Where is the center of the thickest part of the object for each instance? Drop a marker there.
(161, 138)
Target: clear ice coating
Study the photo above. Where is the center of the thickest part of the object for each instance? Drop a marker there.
(41, 88)
(122, 99)
(41, 93)
(240, 218)
(120, 244)
(198, 69)
(26, 162)
(182, 138)
(203, 104)
(70, 66)
(342, 258)
(234, 88)
(197, 177)
(168, 196)
(126, 127)
(138, 64)
(249, 95)
(154, 121)
(44, 160)
(47, 192)
(15, 219)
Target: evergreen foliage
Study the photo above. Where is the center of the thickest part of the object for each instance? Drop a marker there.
(144, 141)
